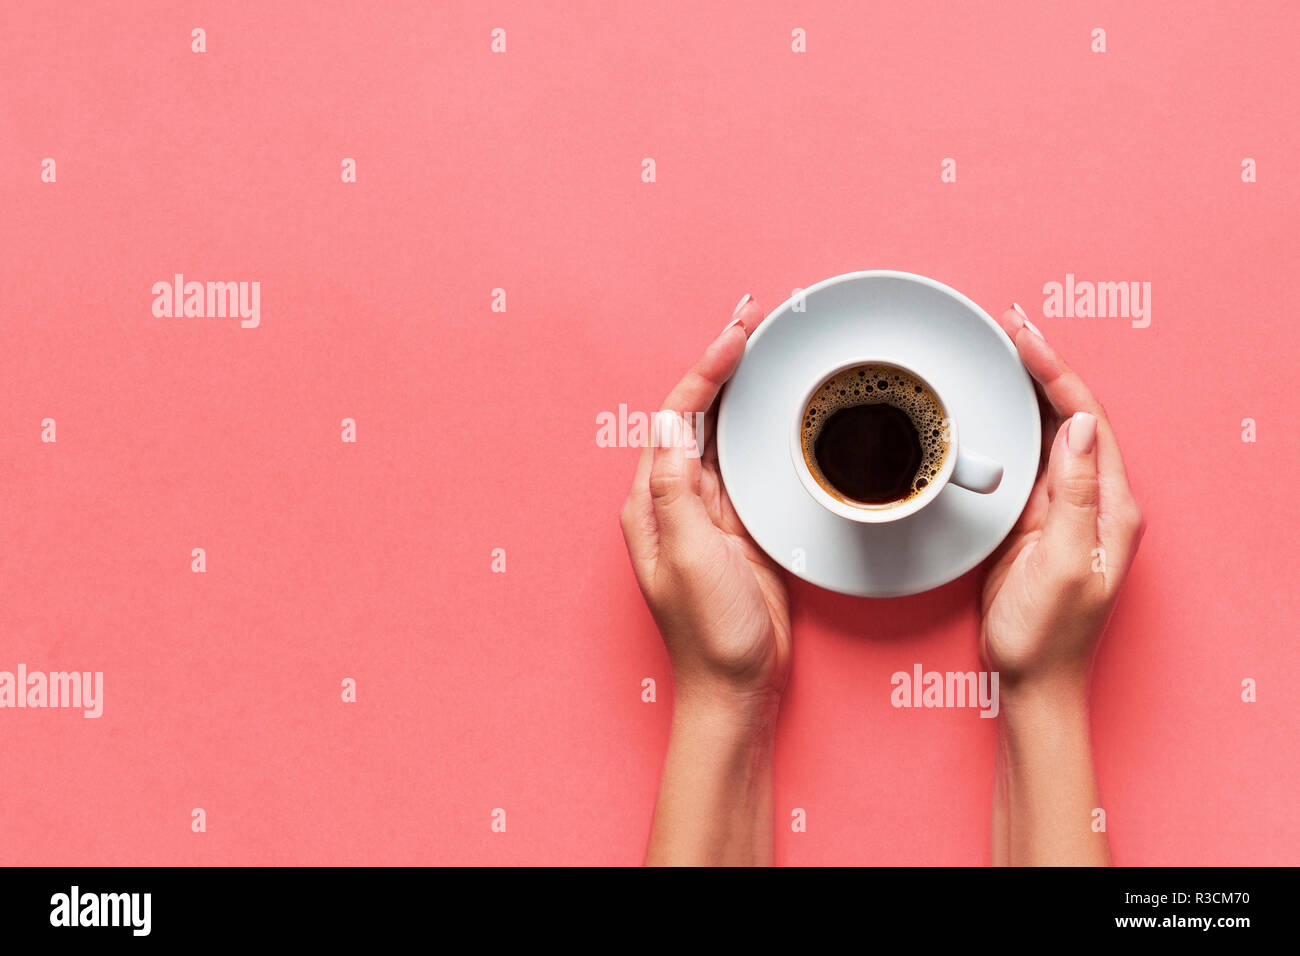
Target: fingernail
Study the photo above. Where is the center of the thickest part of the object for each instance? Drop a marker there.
(1033, 328)
(1016, 306)
(666, 424)
(1082, 433)
(740, 307)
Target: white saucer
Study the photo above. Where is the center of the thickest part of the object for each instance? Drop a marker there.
(970, 361)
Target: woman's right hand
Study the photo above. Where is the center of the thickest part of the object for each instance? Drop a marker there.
(1046, 601)
(1051, 589)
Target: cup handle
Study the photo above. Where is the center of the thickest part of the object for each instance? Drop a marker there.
(976, 473)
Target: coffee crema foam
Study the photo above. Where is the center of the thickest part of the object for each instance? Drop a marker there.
(879, 384)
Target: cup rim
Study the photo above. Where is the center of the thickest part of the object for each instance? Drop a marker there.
(867, 514)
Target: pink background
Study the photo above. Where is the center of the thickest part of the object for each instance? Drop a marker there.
(477, 429)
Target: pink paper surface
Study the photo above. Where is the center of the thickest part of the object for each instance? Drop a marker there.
(476, 429)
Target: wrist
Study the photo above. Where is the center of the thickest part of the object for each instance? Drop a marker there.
(726, 712)
(715, 795)
(1038, 711)
(1062, 692)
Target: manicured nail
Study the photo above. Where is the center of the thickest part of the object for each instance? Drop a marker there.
(1082, 433)
(1033, 328)
(1016, 306)
(666, 427)
(740, 307)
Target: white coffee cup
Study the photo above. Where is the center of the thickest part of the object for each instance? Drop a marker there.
(962, 467)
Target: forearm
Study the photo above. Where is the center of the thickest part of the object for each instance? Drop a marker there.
(1045, 789)
(715, 796)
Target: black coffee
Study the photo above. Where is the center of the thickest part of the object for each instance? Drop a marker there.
(874, 435)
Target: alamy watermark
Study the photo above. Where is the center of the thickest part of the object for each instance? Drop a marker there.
(75, 908)
(71, 689)
(1103, 300)
(922, 688)
(219, 300)
(624, 429)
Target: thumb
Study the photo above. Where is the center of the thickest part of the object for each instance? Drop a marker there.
(674, 481)
(1073, 490)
